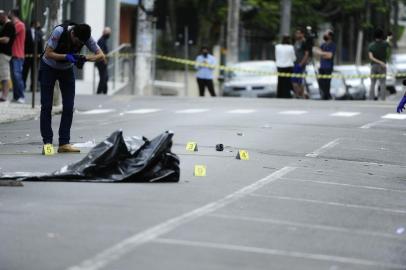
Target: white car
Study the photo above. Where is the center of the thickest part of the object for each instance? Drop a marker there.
(240, 83)
(390, 78)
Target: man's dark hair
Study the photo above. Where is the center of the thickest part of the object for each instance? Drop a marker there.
(286, 40)
(301, 30)
(82, 32)
(15, 12)
(378, 34)
(204, 48)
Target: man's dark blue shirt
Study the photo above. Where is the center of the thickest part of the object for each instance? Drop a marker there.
(328, 47)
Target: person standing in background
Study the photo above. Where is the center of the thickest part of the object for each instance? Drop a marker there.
(33, 35)
(205, 74)
(18, 55)
(7, 35)
(378, 54)
(285, 58)
(327, 51)
(102, 65)
(302, 52)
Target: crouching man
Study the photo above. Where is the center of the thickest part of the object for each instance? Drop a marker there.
(61, 53)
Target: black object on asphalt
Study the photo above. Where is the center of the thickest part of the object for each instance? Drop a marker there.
(117, 160)
(219, 147)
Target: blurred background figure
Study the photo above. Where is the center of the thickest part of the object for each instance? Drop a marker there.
(32, 35)
(18, 55)
(285, 58)
(205, 74)
(102, 66)
(302, 52)
(327, 52)
(7, 34)
(378, 55)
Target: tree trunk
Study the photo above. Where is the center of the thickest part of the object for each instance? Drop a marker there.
(395, 28)
(233, 31)
(351, 39)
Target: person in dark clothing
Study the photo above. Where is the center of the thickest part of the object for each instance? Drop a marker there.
(32, 35)
(7, 36)
(102, 65)
(326, 52)
(61, 53)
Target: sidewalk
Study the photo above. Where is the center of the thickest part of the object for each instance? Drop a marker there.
(10, 112)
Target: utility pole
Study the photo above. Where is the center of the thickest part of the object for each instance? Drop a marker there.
(143, 67)
(286, 10)
(186, 45)
(233, 31)
(55, 18)
(35, 67)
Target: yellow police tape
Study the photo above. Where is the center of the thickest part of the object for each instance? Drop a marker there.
(256, 72)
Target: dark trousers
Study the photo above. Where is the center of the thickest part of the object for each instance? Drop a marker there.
(66, 78)
(28, 65)
(324, 84)
(284, 84)
(104, 77)
(206, 83)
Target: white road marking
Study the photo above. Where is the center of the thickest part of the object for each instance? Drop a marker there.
(129, 244)
(347, 205)
(309, 226)
(190, 111)
(97, 111)
(396, 116)
(293, 112)
(279, 252)
(345, 114)
(142, 111)
(345, 185)
(242, 111)
(372, 124)
(323, 149)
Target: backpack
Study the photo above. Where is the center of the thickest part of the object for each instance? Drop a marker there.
(65, 45)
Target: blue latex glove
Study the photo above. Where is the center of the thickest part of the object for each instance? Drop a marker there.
(401, 105)
(71, 58)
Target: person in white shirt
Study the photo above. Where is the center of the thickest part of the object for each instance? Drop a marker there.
(205, 74)
(285, 58)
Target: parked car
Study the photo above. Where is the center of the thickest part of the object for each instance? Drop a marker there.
(353, 79)
(398, 62)
(340, 88)
(390, 78)
(240, 83)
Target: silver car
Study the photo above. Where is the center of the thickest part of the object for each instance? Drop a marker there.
(240, 83)
(340, 89)
(390, 78)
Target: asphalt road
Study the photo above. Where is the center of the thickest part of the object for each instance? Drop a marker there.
(325, 188)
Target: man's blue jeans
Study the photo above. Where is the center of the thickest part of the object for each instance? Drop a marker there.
(16, 65)
(66, 77)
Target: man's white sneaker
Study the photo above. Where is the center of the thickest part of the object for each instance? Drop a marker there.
(21, 100)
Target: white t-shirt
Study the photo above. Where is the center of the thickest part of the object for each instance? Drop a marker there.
(285, 55)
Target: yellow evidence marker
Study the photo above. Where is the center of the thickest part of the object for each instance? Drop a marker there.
(200, 170)
(191, 146)
(243, 155)
(48, 149)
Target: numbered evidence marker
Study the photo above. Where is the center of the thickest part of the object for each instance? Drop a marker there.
(191, 146)
(243, 155)
(200, 170)
(48, 150)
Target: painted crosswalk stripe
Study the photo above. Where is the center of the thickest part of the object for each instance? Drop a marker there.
(98, 111)
(142, 111)
(190, 111)
(345, 114)
(293, 112)
(242, 111)
(394, 116)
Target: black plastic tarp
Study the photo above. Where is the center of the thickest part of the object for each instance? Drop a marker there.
(119, 160)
